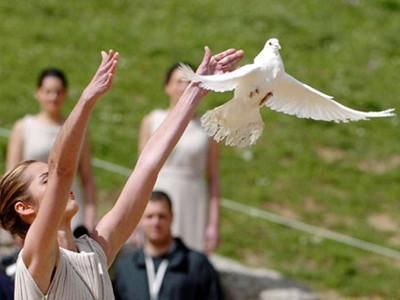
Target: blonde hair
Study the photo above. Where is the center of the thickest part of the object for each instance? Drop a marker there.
(14, 188)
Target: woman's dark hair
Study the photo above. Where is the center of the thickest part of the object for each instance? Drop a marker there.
(52, 72)
(172, 69)
(160, 196)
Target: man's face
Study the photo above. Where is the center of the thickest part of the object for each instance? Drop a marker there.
(156, 222)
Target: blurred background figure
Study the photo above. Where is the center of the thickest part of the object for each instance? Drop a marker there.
(190, 175)
(33, 136)
(6, 287)
(164, 268)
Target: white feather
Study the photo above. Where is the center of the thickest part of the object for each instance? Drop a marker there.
(220, 82)
(293, 97)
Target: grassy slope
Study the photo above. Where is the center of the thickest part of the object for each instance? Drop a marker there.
(336, 176)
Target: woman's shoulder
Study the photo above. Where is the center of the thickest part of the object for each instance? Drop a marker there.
(157, 113)
(20, 123)
(154, 118)
(87, 244)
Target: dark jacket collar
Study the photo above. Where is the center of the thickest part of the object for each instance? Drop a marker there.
(177, 256)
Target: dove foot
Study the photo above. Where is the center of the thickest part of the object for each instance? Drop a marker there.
(265, 98)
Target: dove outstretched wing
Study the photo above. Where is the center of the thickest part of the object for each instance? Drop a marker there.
(219, 82)
(293, 97)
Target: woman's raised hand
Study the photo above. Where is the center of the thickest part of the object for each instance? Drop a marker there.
(102, 79)
(222, 62)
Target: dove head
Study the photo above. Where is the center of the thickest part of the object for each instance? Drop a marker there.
(273, 44)
(270, 51)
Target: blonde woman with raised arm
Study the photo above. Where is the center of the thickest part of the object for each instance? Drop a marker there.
(37, 205)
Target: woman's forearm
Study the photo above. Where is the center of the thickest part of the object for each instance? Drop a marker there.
(214, 212)
(65, 152)
(64, 156)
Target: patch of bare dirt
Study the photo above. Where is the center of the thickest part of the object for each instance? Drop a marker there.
(331, 220)
(379, 166)
(383, 222)
(311, 205)
(395, 240)
(329, 295)
(253, 259)
(281, 209)
(330, 154)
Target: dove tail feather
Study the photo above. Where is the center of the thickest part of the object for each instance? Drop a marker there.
(206, 81)
(241, 131)
(188, 73)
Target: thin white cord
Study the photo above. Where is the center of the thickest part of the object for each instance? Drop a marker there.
(314, 230)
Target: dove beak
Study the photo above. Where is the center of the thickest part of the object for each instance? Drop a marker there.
(279, 46)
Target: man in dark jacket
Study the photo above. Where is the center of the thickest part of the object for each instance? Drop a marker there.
(165, 269)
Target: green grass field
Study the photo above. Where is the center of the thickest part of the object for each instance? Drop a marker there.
(344, 177)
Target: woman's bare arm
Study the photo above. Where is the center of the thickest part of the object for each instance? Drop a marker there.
(15, 145)
(117, 225)
(88, 185)
(212, 230)
(144, 132)
(40, 246)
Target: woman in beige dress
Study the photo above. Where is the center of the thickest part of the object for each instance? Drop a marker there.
(36, 202)
(33, 136)
(190, 175)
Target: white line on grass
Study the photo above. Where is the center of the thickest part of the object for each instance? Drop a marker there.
(314, 230)
(266, 215)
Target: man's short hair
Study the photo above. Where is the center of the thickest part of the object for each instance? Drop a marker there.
(160, 196)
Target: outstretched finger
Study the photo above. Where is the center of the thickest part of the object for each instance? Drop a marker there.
(113, 60)
(204, 65)
(103, 56)
(229, 62)
(109, 80)
(106, 55)
(113, 66)
(112, 57)
(223, 54)
(108, 77)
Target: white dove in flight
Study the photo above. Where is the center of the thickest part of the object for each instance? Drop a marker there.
(265, 82)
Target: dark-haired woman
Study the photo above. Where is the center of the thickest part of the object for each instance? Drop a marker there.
(33, 136)
(190, 175)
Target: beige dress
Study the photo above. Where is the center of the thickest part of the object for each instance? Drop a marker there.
(38, 138)
(183, 179)
(79, 275)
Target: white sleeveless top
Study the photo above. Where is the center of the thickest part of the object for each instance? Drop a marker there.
(79, 275)
(38, 139)
(183, 178)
